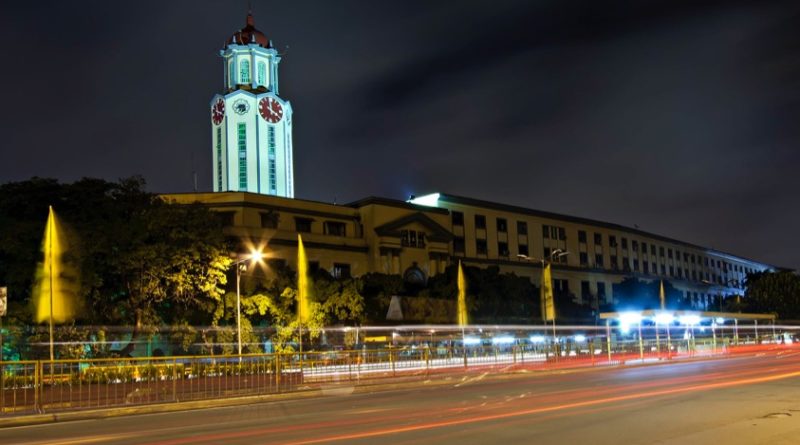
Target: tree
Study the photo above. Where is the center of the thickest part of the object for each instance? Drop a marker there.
(142, 261)
(774, 292)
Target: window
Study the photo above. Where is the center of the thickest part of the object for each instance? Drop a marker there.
(219, 158)
(231, 75)
(669, 253)
(562, 234)
(663, 269)
(335, 228)
(614, 264)
(652, 249)
(545, 232)
(644, 248)
(522, 228)
(458, 218)
(694, 275)
(624, 243)
(635, 246)
(677, 255)
(523, 249)
(502, 225)
(584, 257)
(244, 71)
(262, 73)
(654, 268)
(303, 225)
(269, 220)
(601, 290)
(636, 265)
(645, 267)
(412, 238)
(586, 293)
(581, 236)
(626, 264)
(598, 239)
(273, 173)
(458, 245)
(661, 252)
(502, 248)
(341, 270)
(672, 271)
(685, 257)
(226, 218)
(242, 139)
(480, 246)
(612, 241)
(546, 253)
(598, 260)
(480, 222)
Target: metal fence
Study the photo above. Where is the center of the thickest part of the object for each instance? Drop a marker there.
(66, 385)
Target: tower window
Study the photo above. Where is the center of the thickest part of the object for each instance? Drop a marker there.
(231, 75)
(219, 159)
(262, 73)
(242, 136)
(273, 173)
(244, 71)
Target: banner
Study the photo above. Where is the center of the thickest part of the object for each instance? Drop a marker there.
(3, 300)
(548, 306)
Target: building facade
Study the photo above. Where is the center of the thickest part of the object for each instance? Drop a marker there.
(419, 238)
(251, 125)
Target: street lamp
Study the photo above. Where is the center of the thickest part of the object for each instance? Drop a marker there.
(255, 255)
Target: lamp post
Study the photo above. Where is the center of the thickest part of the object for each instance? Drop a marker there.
(554, 255)
(255, 255)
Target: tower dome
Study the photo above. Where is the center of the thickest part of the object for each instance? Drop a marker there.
(249, 34)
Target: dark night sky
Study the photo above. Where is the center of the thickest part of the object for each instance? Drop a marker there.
(680, 117)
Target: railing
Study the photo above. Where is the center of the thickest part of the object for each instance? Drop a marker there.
(67, 385)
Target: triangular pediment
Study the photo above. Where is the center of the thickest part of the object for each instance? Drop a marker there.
(436, 232)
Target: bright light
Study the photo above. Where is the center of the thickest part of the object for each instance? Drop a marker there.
(630, 318)
(537, 339)
(720, 320)
(256, 255)
(686, 335)
(664, 318)
(580, 338)
(431, 200)
(472, 341)
(626, 319)
(689, 320)
(503, 340)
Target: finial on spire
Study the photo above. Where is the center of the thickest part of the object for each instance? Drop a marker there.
(250, 20)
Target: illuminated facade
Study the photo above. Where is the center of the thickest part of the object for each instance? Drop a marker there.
(420, 238)
(251, 126)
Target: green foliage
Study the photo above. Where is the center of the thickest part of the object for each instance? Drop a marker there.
(142, 261)
(774, 292)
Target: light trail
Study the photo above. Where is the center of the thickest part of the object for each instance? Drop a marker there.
(565, 402)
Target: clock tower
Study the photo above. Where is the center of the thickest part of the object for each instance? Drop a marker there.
(251, 126)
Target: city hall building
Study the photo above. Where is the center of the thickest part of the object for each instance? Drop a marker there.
(253, 184)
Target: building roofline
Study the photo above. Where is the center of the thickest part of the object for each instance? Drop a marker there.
(455, 199)
(377, 200)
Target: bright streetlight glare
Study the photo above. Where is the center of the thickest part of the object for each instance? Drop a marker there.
(689, 320)
(580, 338)
(664, 318)
(256, 255)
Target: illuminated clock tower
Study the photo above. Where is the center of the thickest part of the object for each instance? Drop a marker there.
(251, 126)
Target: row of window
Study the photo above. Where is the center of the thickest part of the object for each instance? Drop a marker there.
(559, 233)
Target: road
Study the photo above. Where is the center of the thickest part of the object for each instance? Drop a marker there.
(742, 400)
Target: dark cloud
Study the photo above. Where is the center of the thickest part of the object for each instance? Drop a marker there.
(678, 116)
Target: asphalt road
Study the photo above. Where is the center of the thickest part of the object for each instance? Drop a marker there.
(743, 400)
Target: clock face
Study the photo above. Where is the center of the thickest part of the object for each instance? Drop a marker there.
(270, 109)
(218, 111)
(241, 106)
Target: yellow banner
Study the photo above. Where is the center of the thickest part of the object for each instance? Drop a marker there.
(548, 306)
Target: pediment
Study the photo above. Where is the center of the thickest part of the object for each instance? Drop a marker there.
(435, 231)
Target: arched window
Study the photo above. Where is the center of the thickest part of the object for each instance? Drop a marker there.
(244, 71)
(262, 73)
